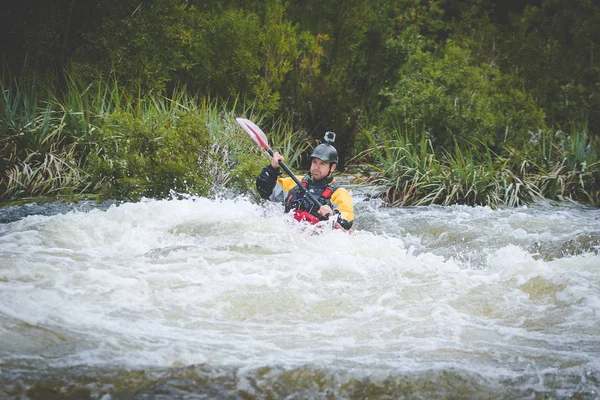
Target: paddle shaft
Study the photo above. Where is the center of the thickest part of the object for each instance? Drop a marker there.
(300, 185)
(261, 139)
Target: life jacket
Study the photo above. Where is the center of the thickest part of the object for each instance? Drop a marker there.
(304, 209)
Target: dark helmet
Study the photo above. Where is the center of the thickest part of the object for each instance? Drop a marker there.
(325, 151)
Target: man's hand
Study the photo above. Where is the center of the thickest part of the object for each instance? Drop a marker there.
(275, 160)
(325, 211)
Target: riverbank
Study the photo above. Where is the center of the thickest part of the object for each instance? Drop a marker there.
(109, 146)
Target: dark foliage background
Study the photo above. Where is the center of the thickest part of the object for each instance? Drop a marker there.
(482, 74)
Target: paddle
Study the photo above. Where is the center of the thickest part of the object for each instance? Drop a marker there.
(261, 139)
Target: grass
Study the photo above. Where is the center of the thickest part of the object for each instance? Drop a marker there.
(97, 139)
(39, 156)
(404, 165)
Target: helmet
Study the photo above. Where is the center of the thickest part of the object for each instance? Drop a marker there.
(325, 151)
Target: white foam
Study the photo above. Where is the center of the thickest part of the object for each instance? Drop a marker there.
(228, 281)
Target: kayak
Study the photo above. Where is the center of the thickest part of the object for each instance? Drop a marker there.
(304, 216)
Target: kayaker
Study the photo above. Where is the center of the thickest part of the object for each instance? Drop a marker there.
(335, 200)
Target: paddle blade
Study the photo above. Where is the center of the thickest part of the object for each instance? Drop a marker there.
(255, 132)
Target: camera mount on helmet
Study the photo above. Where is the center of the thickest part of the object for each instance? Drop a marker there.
(325, 151)
(329, 137)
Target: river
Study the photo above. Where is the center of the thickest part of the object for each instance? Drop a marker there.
(226, 298)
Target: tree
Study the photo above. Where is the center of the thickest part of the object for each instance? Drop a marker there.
(162, 44)
(363, 42)
(42, 36)
(554, 49)
(455, 99)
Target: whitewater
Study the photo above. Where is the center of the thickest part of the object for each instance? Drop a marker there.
(195, 297)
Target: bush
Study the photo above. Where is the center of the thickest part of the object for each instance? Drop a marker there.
(149, 157)
(456, 100)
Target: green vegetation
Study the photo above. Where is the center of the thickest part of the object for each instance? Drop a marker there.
(482, 102)
(455, 100)
(99, 141)
(553, 166)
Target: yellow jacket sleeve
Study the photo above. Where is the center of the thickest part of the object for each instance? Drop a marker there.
(288, 183)
(343, 201)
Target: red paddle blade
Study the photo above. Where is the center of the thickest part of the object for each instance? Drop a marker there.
(255, 132)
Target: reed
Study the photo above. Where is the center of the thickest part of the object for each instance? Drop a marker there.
(45, 174)
(567, 166)
(39, 156)
(407, 171)
(401, 168)
(98, 138)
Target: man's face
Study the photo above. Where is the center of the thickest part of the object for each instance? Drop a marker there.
(319, 169)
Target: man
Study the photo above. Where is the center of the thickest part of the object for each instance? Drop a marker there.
(335, 201)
